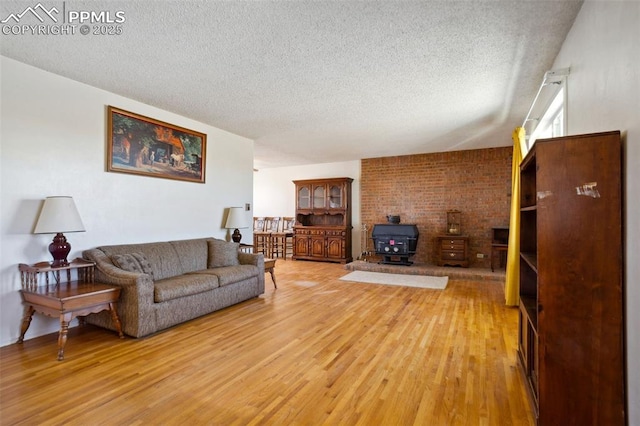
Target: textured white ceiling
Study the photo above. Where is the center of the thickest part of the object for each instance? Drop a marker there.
(320, 81)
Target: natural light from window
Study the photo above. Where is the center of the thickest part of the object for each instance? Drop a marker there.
(552, 123)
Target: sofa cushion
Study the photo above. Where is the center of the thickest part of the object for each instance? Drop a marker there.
(192, 254)
(222, 253)
(162, 256)
(133, 262)
(183, 285)
(231, 274)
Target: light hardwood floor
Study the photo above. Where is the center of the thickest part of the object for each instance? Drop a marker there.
(315, 351)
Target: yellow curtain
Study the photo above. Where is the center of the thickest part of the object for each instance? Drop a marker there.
(512, 284)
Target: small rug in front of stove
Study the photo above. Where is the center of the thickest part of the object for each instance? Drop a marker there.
(422, 281)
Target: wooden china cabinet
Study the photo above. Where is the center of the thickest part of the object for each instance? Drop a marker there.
(571, 335)
(323, 220)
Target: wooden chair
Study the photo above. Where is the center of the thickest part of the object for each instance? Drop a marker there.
(282, 240)
(287, 230)
(272, 228)
(260, 236)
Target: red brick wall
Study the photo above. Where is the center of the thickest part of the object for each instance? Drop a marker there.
(421, 188)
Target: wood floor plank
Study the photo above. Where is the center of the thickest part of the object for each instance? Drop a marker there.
(316, 351)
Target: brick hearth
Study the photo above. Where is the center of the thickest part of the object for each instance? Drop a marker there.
(454, 273)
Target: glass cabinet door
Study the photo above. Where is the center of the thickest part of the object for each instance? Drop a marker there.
(304, 199)
(319, 197)
(335, 197)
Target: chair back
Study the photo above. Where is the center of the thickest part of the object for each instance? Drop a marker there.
(258, 224)
(287, 224)
(272, 224)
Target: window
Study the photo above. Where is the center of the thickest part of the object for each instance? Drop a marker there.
(547, 116)
(552, 122)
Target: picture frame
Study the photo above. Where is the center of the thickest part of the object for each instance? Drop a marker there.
(145, 146)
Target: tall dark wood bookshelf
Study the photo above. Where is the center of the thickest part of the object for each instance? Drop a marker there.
(571, 339)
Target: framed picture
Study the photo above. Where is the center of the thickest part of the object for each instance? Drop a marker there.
(144, 146)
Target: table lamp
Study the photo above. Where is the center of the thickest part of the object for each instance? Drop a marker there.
(59, 214)
(236, 220)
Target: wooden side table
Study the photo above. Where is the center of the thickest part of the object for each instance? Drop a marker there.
(453, 250)
(65, 297)
(499, 245)
(269, 266)
(246, 248)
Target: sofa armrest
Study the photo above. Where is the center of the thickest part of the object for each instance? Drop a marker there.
(251, 259)
(136, 304)
(256, 259)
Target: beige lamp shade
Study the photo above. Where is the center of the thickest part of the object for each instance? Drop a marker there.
(59, 214)
(236, 218)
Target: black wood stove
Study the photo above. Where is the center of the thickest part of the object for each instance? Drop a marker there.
(395, 242)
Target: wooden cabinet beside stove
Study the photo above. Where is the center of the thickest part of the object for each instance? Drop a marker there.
(323, 220)
(453, 250)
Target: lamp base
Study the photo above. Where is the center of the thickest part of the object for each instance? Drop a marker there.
(236, 236)
(59, 249)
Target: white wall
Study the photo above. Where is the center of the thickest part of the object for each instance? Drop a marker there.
(53, 142)
(274, 191)
(603, 52)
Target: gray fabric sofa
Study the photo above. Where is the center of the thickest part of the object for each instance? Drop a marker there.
(166, 283)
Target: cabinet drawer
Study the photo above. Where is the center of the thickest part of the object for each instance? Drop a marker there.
(452, 244)
(452, 255)
(316, 232)
(335, 233)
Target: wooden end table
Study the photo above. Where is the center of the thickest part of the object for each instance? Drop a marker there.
(499, 244)
(269, 266)
(453, 250)
(65, 297)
